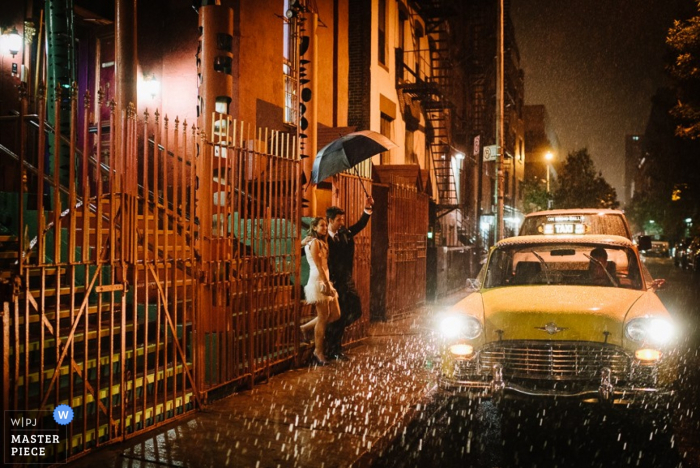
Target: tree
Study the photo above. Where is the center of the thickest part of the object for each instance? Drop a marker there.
(684, 41)
(581, 186)
(534, 195)
(667, 187)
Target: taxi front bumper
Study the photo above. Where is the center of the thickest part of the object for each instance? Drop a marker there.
(604, 390)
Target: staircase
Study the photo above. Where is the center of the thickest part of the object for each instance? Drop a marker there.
(101, 313)
(114, 345)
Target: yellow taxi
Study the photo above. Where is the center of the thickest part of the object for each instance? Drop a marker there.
(561, 316)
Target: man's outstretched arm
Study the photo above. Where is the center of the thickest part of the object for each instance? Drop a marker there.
(364, 219)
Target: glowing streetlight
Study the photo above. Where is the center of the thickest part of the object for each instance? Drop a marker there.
(548, 156)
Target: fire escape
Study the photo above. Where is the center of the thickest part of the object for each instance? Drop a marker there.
(424, 76)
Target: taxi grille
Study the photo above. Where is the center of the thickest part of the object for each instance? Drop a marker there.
(555, 360)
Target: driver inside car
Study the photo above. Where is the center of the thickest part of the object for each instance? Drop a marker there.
(600, 271)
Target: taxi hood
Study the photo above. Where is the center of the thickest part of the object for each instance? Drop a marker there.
(578, 313)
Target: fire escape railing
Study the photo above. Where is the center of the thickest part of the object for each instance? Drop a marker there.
(424, 75)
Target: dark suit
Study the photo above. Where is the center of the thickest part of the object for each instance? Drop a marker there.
(340, 265)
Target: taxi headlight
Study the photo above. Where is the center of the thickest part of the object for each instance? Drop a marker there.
(460, 326)
(650, 330)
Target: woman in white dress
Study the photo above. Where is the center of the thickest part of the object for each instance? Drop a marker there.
(318, 289)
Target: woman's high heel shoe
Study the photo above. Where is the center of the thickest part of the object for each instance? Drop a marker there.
(317, 361)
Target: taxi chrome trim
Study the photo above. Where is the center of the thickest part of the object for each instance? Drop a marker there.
(553, 360)
(484, 389)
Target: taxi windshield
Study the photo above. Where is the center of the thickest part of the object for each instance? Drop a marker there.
(608, 223)
(563, 264)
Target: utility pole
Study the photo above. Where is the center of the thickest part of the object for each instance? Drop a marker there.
(500, 130)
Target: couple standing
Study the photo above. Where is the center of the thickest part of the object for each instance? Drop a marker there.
(330, 251)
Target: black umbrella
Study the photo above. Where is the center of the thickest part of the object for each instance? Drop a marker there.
(347, 151)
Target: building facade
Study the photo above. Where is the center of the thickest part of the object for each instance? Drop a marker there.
(542, 149)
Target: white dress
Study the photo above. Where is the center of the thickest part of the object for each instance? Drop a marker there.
(313, 288)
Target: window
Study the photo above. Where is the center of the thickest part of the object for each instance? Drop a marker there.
(290, 69)
(402, 30)
(411, 157)
(386, 129)
(381, 42)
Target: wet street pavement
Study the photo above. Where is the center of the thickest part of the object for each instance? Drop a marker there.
(382, 409)
(454, 432)
(339, 415)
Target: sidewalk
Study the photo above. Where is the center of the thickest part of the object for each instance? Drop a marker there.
(335, 416)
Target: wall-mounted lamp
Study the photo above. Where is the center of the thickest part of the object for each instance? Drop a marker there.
(459, 155)
(14, 41)
(294, 9)
(151, 86)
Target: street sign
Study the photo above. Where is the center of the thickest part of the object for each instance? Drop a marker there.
(477, 145)
(490, 153)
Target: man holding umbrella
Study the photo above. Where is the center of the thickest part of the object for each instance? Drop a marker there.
(341, 247)
(339, 155)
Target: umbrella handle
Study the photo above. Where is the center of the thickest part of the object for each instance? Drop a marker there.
(361, 183)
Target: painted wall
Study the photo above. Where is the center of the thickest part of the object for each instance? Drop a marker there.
(383, 83)
(167, 44)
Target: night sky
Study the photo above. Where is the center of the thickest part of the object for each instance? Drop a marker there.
(595, 64)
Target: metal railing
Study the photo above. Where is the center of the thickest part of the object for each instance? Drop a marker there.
(164, 267)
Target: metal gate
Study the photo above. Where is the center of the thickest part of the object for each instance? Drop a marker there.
(250, 253)
(406, 257)
(164, 268)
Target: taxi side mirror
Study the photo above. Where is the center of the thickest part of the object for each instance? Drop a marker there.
(644, 242)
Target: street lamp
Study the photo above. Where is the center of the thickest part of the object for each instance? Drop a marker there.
(548, 156)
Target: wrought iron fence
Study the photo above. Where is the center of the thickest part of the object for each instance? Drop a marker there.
(165, 266)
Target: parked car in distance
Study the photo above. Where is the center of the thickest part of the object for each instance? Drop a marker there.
(581, 221)
(543, 324)
(658, 249)
(692, 254)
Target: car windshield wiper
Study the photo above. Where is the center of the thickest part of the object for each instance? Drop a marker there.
(607, 273)
(544, 265)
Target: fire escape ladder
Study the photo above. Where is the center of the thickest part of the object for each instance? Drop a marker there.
(431, 88)
(438, 115)
(438, 109)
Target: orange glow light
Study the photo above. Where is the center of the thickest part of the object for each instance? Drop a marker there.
(462, 350)
(648, 354)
